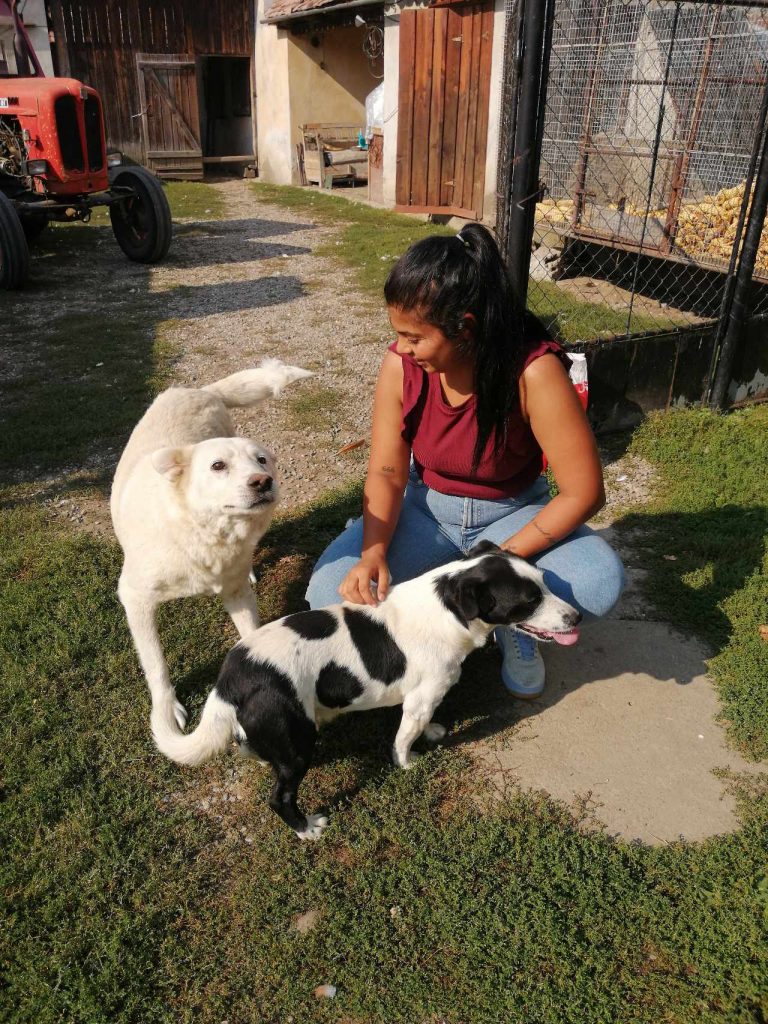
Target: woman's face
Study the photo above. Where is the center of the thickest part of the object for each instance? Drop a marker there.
(424, 342)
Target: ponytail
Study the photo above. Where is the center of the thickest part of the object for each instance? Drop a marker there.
(445, 278)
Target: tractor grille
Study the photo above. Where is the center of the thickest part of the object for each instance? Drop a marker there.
(68, 131)
(93, 134)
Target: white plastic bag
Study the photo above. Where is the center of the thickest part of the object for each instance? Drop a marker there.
(374, 110)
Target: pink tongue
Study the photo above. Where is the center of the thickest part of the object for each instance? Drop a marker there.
(566, 639)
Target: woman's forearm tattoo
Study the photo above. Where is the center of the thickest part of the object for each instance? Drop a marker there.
(541, 530)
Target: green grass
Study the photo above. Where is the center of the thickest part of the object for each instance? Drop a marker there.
(571, 320)
(316, 408)
(86, 389)
(711, 514)
(134, 893)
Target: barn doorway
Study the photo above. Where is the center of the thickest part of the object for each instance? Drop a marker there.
(226, 112)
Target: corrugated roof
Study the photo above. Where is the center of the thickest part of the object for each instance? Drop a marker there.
(283, 8)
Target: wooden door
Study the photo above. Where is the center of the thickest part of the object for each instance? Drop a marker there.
(442, 129)
(170, 115)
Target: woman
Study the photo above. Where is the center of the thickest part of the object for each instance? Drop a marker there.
(468, 399)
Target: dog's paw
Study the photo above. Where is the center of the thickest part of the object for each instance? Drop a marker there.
(180, 714)
(315, 825)
(409, 761)
(434, 732)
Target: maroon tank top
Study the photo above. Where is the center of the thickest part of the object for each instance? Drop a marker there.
(442, 437)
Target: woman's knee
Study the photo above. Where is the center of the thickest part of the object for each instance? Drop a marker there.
(588, 574)
(333, 565)
(323, 587)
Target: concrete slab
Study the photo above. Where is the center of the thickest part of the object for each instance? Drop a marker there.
(628, 720)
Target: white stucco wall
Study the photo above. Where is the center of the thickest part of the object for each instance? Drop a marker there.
(391, 80)
(273, 108)
(494, 114)
(37, 27)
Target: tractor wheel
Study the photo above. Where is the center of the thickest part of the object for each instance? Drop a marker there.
(142, 221)
(14, 251)
(34, 224)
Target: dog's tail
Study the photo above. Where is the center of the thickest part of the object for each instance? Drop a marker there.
(250, 387)
(216, 728)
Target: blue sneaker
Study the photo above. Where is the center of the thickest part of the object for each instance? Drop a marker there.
(522, 668)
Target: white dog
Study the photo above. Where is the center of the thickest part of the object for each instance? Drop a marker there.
(189, 504)
(279, 683)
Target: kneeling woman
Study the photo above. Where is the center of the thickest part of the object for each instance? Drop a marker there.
(469, 398)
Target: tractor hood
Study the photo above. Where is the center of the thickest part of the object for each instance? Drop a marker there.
(31, 96)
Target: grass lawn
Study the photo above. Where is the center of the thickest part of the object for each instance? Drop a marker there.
(137, 891)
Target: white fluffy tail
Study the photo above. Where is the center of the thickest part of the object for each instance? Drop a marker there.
(215, 729)
(250, 387)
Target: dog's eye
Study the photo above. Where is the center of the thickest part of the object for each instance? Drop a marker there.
(261, 460)
(218, 466)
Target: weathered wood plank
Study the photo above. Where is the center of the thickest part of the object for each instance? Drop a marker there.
(405, 106)
(437, 106)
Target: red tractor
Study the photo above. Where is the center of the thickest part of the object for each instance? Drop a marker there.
(54, 165)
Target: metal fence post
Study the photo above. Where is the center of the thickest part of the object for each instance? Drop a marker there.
(732, 322)
(523, 144)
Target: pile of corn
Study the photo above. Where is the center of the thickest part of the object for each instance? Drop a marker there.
(555, 211)
(707, 230)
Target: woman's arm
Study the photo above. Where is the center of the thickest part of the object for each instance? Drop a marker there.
(560, 425)
(384, 486)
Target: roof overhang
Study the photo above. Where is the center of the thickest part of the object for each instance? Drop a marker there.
(288, 12)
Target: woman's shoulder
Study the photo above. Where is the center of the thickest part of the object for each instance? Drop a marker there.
(538, 344)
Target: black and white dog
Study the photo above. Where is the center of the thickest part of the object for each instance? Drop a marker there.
(284, 680)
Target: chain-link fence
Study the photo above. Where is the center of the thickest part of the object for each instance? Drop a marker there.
(649, 130)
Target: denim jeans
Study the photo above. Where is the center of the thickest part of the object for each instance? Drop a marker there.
(436, 528)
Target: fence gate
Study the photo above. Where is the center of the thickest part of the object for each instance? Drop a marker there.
(639, 142)
(170, 115)
(445, 80)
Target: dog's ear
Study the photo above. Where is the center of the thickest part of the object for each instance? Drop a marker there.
(459, 595)
(485, 547)
(169, 462)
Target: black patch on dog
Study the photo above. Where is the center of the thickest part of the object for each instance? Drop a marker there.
(312, 625)
(491, 591)
(383, 659)
(483, 547)
(276, 726)
(336, 686)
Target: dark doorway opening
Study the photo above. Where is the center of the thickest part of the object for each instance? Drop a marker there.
(226, 112)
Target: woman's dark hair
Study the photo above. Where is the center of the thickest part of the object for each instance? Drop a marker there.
(444, 278)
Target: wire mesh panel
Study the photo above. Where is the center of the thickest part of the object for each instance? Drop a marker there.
(648, 133)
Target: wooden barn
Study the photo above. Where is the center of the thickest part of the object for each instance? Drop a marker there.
(176, 77)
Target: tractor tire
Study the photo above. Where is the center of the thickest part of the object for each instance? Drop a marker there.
(142, 222)
(14, 251)
(34, 224)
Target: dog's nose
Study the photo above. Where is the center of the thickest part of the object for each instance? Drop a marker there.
(577, 617)
(260, 483)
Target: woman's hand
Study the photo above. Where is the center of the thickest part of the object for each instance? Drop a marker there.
(356, 586)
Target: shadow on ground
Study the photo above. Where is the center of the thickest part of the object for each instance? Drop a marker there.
(87, 353)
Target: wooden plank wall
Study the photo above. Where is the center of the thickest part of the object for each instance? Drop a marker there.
(444, 92)
(97, 42)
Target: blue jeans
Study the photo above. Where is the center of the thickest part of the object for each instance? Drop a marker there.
(436, 528)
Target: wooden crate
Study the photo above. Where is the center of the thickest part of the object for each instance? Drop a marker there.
(331, 153)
